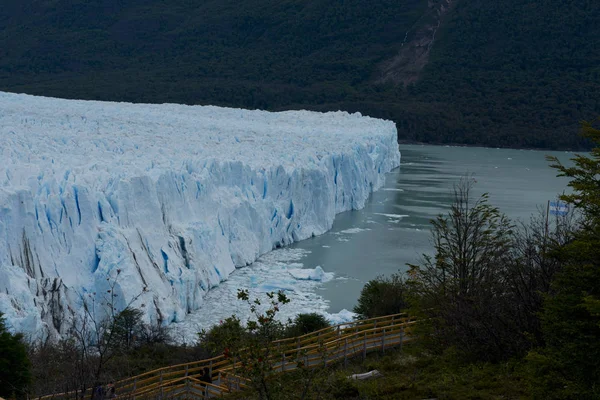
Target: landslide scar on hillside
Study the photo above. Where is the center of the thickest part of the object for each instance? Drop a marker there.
(406, 66)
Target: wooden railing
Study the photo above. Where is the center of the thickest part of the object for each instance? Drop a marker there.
(315, 349)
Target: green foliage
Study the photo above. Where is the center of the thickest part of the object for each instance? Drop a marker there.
(306, 323)
(482, 291)
(219, 338)
(585, 180)
(251, 348)
(382, 296)
(127, 328)
(512, 73)
(461, 288)
(501, 73)
(408, 374)
(571, 318)
(340, 387)
(15, 368)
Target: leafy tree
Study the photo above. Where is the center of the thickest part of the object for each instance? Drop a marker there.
(306, 323)
(571, 317)
(462, 288)
(15, 368)
(127, 328)
(382, 296)
(220, 337)
(251, 350)
(530, 271)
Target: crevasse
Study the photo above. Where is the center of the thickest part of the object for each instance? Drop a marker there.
(175, 197)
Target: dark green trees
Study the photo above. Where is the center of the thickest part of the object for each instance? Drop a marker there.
(306, 323)
(382, 296)
(15, 375)
(460, 289)
(483, 290)
(569, 366)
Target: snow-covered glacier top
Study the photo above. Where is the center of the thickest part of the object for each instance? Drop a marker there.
(172, 196)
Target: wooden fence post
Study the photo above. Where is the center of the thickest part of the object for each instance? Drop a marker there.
(283, 362)
(401, 337)
(383, 342)
(220, 380)
(186, 371)
(210, 368)
(134, 386)
(365, 347)
(345, 352)
(160, 383)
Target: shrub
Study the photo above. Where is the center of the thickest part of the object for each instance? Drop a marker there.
(306, 323)
(382, 296)
(220, 336)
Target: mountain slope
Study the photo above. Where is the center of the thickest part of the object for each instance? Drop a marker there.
(511, 71)
(517, 73)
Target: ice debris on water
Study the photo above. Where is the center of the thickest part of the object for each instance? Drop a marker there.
(316, 274)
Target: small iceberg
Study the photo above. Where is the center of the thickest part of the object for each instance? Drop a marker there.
(351, 231)
(307, 274)
(342, 317)
(398, 216)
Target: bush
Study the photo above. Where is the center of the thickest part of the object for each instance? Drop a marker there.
(219, 337)
(306, 323)
(382, 296)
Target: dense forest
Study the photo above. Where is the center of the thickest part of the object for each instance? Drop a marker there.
(513, 73)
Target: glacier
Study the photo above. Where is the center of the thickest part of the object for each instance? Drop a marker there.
(161, 203)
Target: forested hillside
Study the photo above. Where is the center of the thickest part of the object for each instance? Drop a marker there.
(518, 73)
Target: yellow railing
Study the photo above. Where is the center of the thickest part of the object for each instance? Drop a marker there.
(319, 348)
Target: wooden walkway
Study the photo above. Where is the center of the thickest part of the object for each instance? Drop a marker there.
(327, 346)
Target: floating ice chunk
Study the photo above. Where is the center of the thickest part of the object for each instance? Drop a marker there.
(352, 230)
(316, 274)
(341, 317)
(275, 285)
(392, 190)
(395, 216)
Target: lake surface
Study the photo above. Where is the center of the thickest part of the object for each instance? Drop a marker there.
(518, 182)
(393, 228)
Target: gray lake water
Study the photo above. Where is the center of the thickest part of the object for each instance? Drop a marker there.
(379, 241)
(391, 230)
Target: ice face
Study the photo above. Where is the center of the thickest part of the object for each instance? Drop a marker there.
(172, 197)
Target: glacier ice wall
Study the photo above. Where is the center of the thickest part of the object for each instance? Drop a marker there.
(173, 197)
